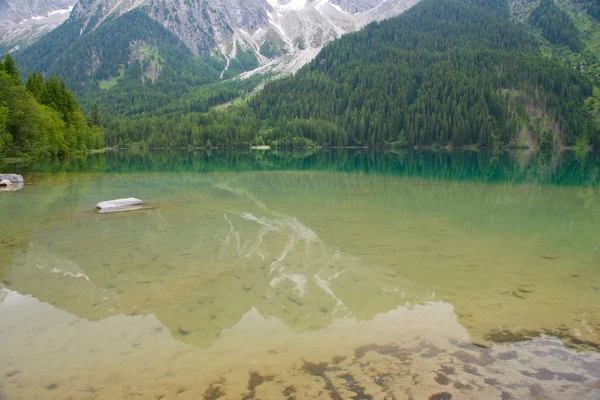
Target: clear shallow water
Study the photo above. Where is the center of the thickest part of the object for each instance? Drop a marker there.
(327, 275)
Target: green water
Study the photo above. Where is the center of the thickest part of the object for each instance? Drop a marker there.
(334, 274)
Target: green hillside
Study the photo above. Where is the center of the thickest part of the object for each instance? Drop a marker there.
(128, 65)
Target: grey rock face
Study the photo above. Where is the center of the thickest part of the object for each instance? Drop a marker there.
(203, 24)
(93, 12)
(200, 24)
(24, 21)
(15, 11)
(305, 26)
(231, 25)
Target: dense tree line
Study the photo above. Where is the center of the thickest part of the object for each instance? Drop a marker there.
(187, 121)
(42, 118)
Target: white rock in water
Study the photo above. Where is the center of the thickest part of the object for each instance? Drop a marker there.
(128, 204)
(13, 178)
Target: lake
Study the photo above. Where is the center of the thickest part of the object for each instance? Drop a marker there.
(348, 274)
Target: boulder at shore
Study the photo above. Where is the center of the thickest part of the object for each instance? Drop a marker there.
(13, 178)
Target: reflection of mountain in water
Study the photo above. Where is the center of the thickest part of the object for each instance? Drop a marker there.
(309, 247)
(199, 270)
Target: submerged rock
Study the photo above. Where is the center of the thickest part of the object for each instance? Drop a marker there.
(128, 204)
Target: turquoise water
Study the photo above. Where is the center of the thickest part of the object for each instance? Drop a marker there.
(333, 274)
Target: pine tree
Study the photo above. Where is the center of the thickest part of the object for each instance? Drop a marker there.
(11, 68)
(95, 119)
(35, 85)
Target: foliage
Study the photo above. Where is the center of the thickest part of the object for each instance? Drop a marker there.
(243, 61)
(592, 7)
(556, 25)
(185, 122)
(41, 118)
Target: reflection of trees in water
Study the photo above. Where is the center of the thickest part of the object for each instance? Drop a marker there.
(556, 168)
(563, 168)
(302, 280)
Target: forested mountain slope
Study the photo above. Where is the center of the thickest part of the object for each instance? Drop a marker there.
(446, 72)
(132, 64)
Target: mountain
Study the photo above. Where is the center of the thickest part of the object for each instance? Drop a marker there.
(24, 21)
(200, 24)
(298, 29)
(242, 34)
(268, 28)
(484, 72)
(143, 56)
(444, 73)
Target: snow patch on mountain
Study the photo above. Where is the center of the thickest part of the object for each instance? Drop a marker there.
(64, 13)
(291, 5)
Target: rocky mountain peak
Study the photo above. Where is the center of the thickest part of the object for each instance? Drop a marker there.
(203, 25)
